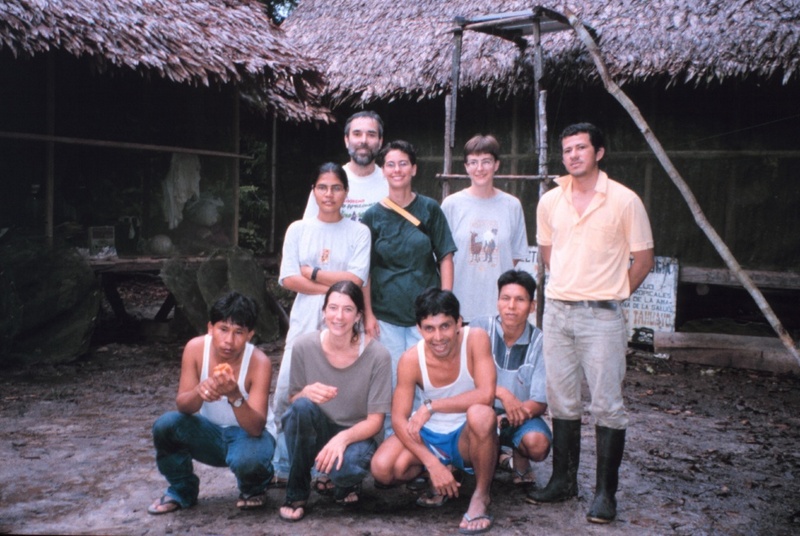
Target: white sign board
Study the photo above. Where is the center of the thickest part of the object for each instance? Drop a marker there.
(651, 308)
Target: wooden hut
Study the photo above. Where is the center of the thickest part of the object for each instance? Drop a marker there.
(114, 116)
(718, 81)
(95, 95)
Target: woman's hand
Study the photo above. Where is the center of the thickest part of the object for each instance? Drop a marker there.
(332, 452)
(319, 393)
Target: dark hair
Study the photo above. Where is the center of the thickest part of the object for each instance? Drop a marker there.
(354, 292)
(517, 277)
(398, 145)
(365, 113)
(236, 308)
(595, 134)
(336, 169)
(433, 301)
(482, 144)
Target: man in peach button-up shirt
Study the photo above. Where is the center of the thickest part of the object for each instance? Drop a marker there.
(588, 230)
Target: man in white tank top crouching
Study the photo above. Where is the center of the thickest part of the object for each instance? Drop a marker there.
(456, 425)
(221, 411)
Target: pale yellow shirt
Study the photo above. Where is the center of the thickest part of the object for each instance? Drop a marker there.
(591, 252)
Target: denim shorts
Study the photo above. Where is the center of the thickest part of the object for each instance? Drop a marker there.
(511, 436)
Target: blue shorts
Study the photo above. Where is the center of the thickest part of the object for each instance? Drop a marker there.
(512, 435)
(445, 447)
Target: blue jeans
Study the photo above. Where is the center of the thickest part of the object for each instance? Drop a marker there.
(398, 339)
(585, 341)
(307, 430)
(180, 438)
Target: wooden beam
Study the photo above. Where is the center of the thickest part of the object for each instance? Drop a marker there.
(721, 350)
(445, 177)
(723, 277)
(119, 145)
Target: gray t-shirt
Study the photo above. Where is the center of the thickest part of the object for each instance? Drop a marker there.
(490, 234)
(364, 387)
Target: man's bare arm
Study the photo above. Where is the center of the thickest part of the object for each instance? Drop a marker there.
(643, 262)
(402, 403)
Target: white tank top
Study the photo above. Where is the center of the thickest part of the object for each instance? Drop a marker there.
(444, 423)
(220, 412)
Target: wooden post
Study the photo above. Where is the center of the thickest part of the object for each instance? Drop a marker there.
(274, 183)
(450, 109)
(235, 226)
(514, 166)
(691, 201)
(648, 184)
(541, 153)
(50, 166)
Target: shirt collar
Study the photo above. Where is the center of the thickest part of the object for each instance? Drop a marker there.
(601, 185)
(524, 338)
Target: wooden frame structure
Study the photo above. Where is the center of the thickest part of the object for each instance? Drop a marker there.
(511, 26)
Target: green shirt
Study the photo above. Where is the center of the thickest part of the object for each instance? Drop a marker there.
(402, 263)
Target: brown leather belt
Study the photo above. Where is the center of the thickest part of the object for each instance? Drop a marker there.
(611, 305)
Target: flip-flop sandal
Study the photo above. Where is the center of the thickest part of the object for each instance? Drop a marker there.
(431, 499)
(323, 485)
(505, 462)
(523, 479)
(171, 506)
(252, 502)
(421, 483)
(341, 495)
(295, 506)
(487, 528)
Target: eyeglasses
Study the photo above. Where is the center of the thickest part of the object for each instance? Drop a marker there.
(486, 162)
(334, 188)
(401, 164)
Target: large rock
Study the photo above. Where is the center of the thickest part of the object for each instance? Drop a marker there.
(197, 288)
(49, 300)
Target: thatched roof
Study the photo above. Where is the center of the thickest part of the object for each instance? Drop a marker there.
(384, 49)
(197, 42)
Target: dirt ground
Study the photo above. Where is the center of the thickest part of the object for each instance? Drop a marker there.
(709, 451)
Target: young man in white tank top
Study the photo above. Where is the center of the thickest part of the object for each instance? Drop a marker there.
(456, 424)
(221, 411)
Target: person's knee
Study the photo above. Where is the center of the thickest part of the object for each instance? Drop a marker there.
(536, 446)
(299, 410)
(167, 425)
(481, 420)
(381, 467)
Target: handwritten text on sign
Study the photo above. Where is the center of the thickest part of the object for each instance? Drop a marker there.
(651, 308)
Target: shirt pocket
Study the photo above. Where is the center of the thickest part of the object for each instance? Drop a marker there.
(601, 237)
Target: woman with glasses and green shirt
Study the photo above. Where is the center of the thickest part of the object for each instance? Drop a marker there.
(411, 250)
(317, 253)
(489, 228)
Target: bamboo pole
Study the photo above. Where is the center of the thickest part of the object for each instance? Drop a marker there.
(694, 206)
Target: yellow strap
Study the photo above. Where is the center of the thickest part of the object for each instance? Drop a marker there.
(400, 210)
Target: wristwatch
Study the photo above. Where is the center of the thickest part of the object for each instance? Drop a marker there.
(428, 405)
(237, 403)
